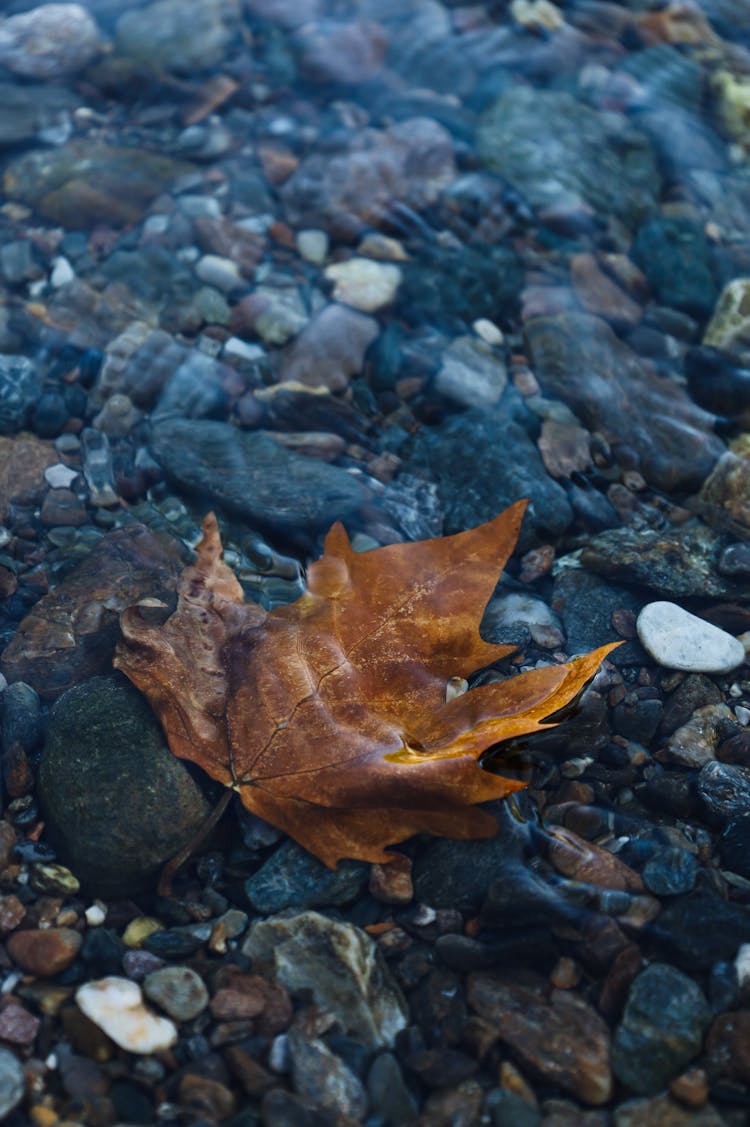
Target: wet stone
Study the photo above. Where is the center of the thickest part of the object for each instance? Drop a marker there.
(560, 1037)
(116, 1006)
(51, 41)
(674, 563)
(20, 386)
(734, 845)
(526, 132)
(28, 112)
(71, 633)
(46, 952)
(389, 1096)
(579, 359)
(106, 780)
(319, 1075)
(17, 1025)
(472, 491)
(680, 640)
(673, 254)
(254, 477)
(470, 374)
(293, 878)
(700, 929)
(697, 741)
(12, 1082)
(330, 349)
(83, 183)
(663, 1111)
(586, 604)
(340, 965)
(670, 872)
(179, 991)
(179, 35)
(725, 789)
(661, 1029)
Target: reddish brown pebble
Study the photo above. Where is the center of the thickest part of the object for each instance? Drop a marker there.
(536, 563)
(44, 952)
(7, 841)
(17, 774)
(623, 621)
(17, 1025)
(691, 1088)
(12, 912)
(565, 974)
(237, 1003)
(8, 582)
(391, 883)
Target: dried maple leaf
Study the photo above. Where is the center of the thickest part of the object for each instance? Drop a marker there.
(329, 716)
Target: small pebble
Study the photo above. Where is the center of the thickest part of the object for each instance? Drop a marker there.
(60, 476)
(12, 1082)
(179, 991)
(139, 929)
(96, 914)
(312, 245)
(363, 283)
(46, 952)
(116, 1006)
(679, 640)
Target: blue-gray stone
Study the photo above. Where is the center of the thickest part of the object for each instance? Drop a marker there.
(661, 1030)
(670, 872)
(20, 387)
(293, 878)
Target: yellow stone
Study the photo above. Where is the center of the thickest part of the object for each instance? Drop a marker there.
(139, 929)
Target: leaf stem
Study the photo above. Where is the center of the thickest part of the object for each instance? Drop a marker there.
(164, 887)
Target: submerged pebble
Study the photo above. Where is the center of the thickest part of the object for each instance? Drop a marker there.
(116, 1006)
(680, 640)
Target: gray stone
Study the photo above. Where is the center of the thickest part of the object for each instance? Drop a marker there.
(661, 1030)
(676, 563)
(179, 35)
(470, 374)
(321, 1076)
(696, 742)
(578, 358)
(29, 112)
(49, 42)
(553, 148)
(725, 789)
(293, 878)
(20, 387)
(252, 476)
(118, 804)
(330, 349)
(339, 965)
(180, 992)
(389, 1096)
(586, 603)
(678, 639)
(12, 1082)
(670, 872)
(84, 183)
(673, 253)
(473, 490)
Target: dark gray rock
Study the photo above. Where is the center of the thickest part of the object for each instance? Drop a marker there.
(22, 717)
(586, 603)
(673, 254)
(670, 872)
(725, 789)
(508, 1109)
(661, 1029)
(252, 476)
(579, 359)
(734, 845)
(20, 386)
(390, 1098)
(457, 874)
(473, 490)
(118, 804)
(696, 691)
(677, 563)
(27, 112)
(293, 878)
(701, 929)
(596, 158)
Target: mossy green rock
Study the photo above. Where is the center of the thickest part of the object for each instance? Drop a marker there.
(118, 804)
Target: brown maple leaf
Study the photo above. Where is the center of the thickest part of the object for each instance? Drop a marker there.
(329, 716)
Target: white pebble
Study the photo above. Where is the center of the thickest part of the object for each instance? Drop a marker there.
(60, 476)
(680, 640)
(116, 1006)
(488, 331)
(363, 283)
(96, 914)
(743, 715)
(742, 964)
(312, 245)
(62, 272)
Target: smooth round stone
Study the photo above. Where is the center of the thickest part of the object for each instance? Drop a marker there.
(680, 640)
(670, 872)
(116, 1006)
(179, 991)
(44, 953)
(12, 1084)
